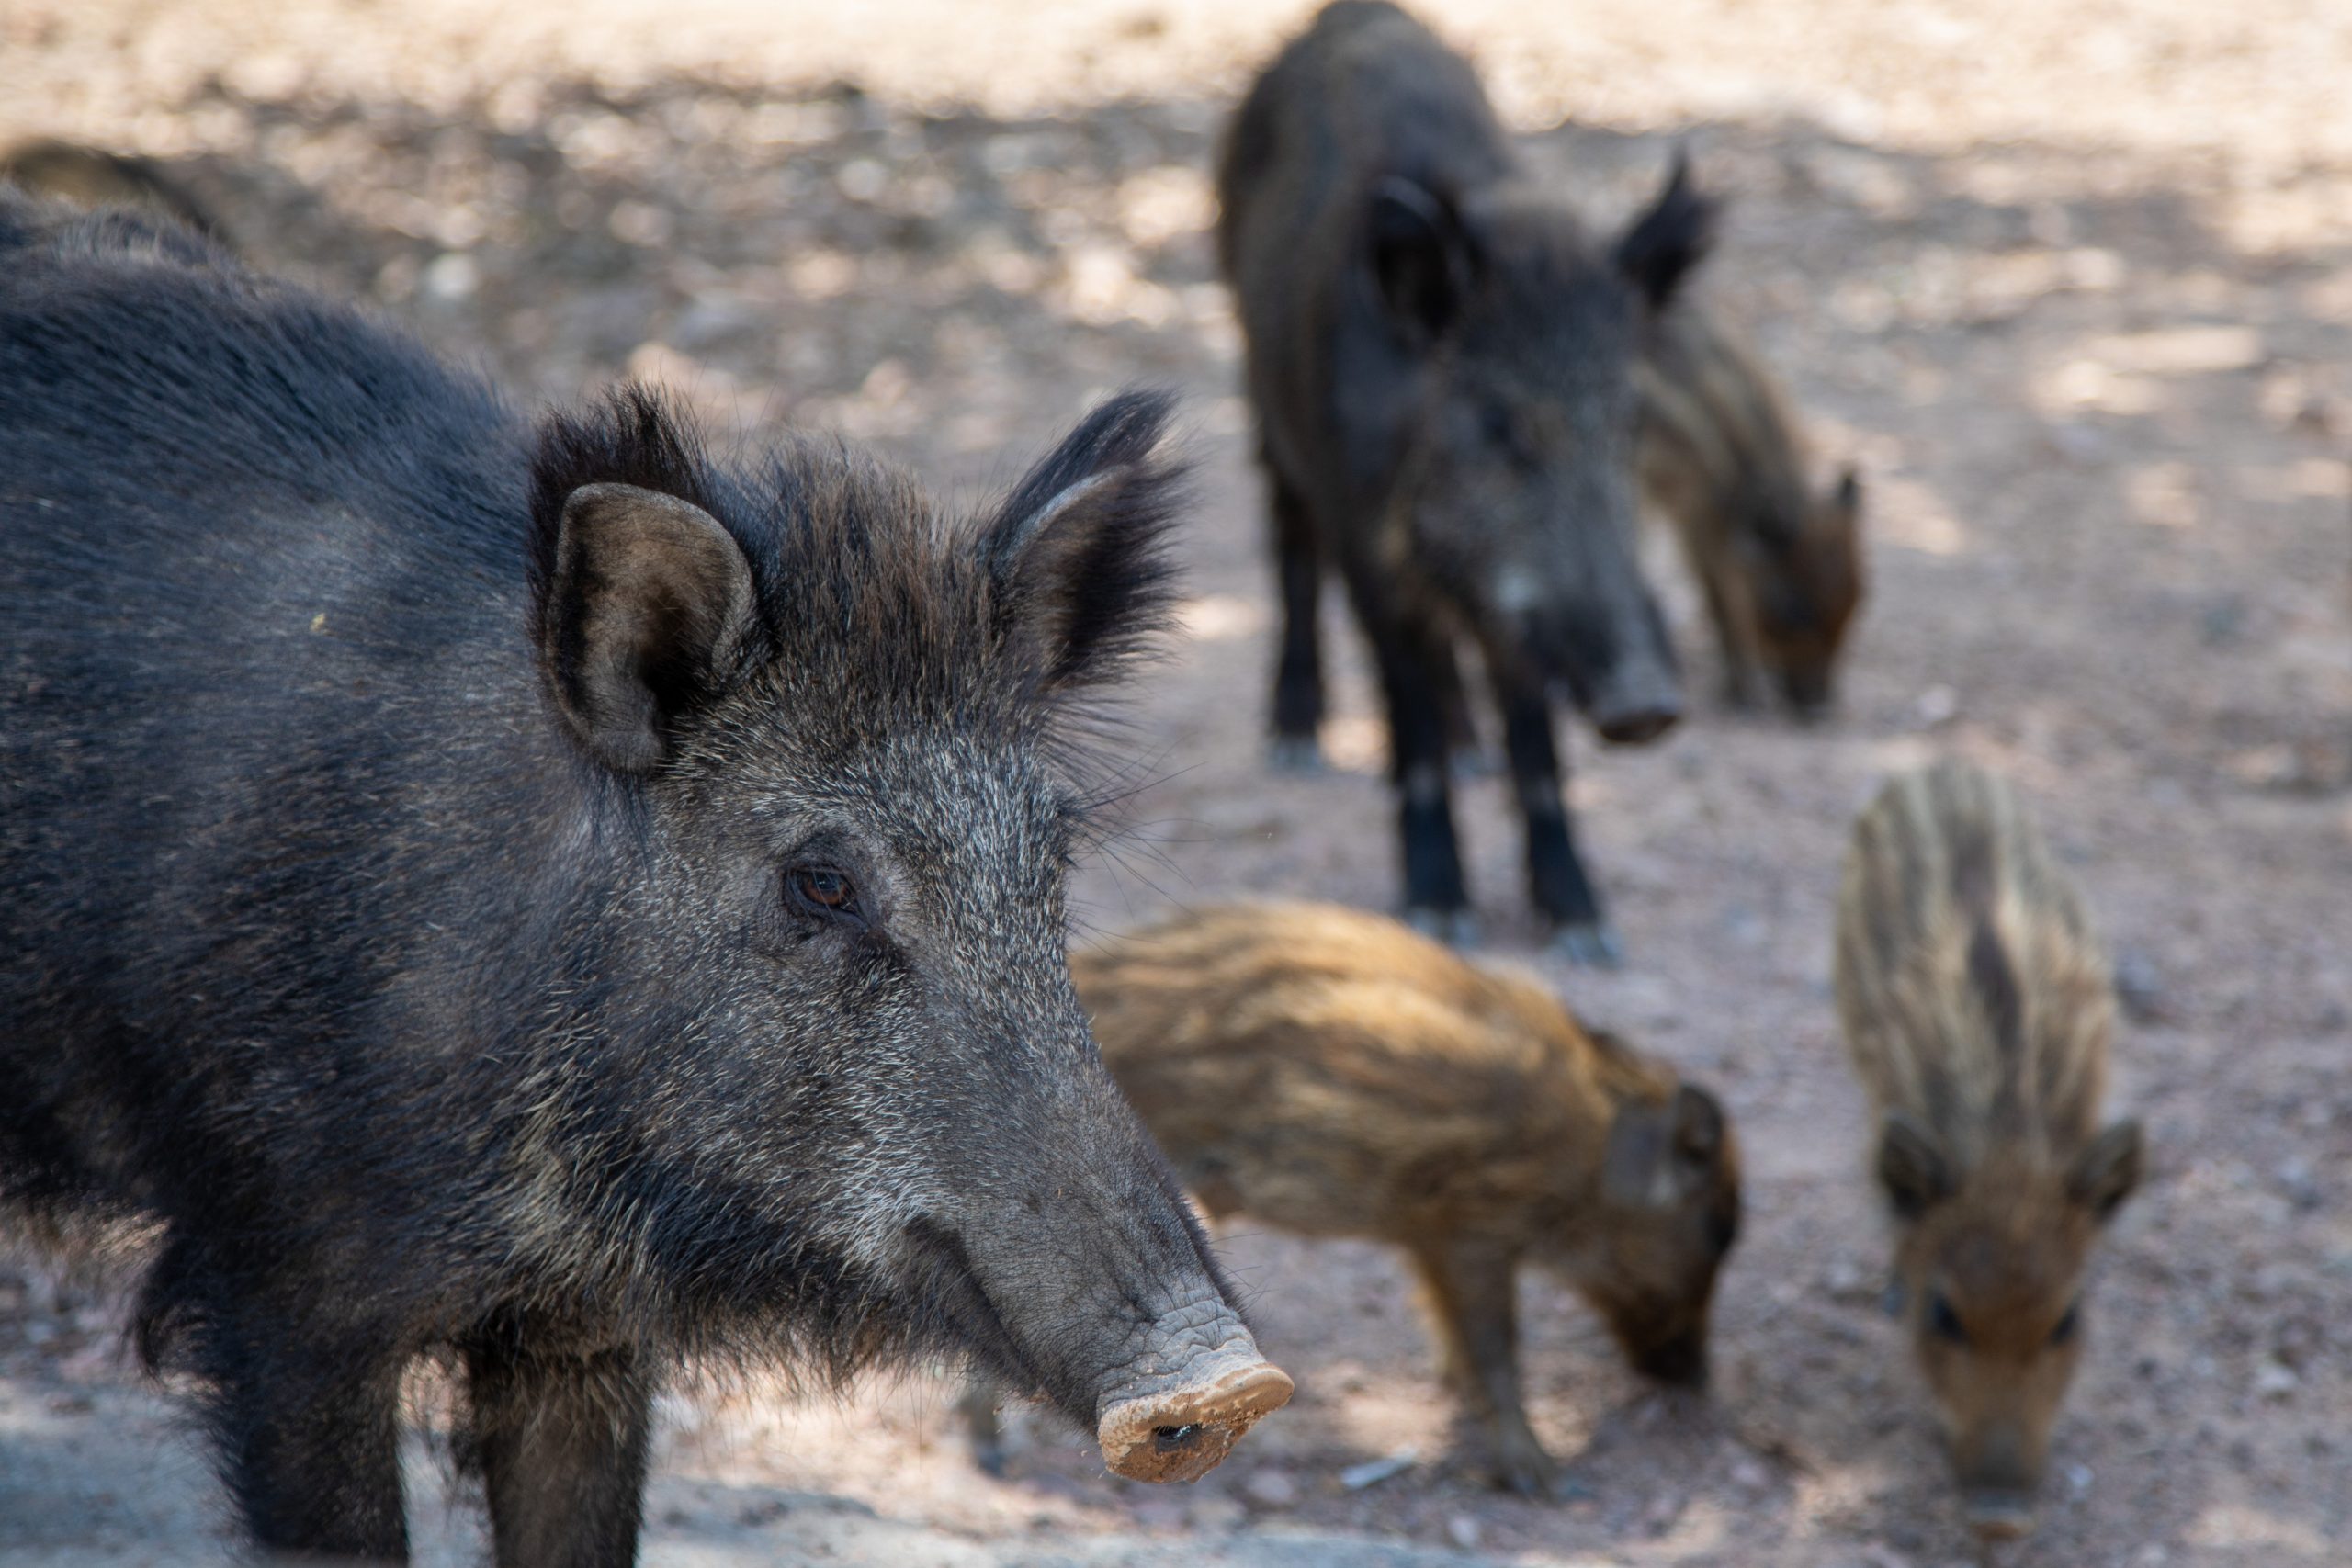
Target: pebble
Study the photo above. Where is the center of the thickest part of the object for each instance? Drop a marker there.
(2276, 1380)
(1274, 1488)
(1463, 1531)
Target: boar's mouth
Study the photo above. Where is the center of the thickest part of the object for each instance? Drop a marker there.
(949, 1285)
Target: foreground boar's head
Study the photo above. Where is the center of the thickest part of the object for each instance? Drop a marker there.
(1991, 1265)
(858, 1107)
(1516, 491)
(1668, 1217)
(1807, 587)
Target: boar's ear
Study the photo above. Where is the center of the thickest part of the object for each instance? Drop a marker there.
(1660, 1154)
(648, 604)
(1659, 248)
(2105, 1173)
(1078, 552)
(1422, 257)
(1911, 1166)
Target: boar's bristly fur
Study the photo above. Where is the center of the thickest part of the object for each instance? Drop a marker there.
(552, 900)
(1439, 361)
(1977, 1008)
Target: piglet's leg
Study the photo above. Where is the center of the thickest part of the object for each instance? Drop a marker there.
(1473, 1298)
(561, 1442)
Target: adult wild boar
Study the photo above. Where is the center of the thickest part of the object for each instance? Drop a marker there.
(1330, 1072)
(1977, 1008)
(1779, 564)
(550, 899)
(1440, 356)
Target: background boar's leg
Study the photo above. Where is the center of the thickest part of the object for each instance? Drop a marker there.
(1298, 678)
(561, 1443)
(1556, 883)
(1409, 662)
(1473, 1295)
(313, 1441)
(983, 1425)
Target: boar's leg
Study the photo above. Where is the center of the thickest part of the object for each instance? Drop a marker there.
(561, 1441)
(1556, 883)
(1410, 659)
(1298, 676)
(1473, 1295)
(983, 1425)
(311, 1439)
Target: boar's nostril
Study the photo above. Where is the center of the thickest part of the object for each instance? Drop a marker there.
(1175, 1439)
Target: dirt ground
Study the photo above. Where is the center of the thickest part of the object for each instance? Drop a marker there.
(2071, 281)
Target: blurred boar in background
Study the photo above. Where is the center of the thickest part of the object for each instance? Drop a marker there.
(1441, 358)
(1977, 1008)
(549, 898)
(1779, 566)
(1332, 1073)
(89, 178)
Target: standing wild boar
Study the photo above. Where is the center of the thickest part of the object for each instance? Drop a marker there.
(551, 898)
(1332, 1073)
(1977, 1008)
(1441, 361)
(1781, 566)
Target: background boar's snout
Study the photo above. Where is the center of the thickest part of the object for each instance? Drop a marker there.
(1636, 702)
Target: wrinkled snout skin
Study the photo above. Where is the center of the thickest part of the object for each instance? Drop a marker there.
(1074, 1270)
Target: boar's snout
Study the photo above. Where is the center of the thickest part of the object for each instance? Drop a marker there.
(1176, 1425)
(1636, 702)
(1998, 1480)
(1998, 1513)
(1679, 1361)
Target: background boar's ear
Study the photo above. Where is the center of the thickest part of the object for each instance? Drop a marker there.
(1660, 247)
(1078, 552)
(1911, 1166)
(649, 605)
(1422, 256)
(2105, 1173)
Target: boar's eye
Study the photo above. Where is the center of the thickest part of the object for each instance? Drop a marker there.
(2067, 1325)
(1944, 1323)
(822, 891)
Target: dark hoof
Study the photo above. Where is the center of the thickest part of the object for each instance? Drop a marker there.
(1455, 928)
(1299, 754)
(1539, 1479)
(1591, 945)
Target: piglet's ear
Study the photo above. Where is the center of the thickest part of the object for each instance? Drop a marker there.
(2106, 1172)
(1658, 1155)
(1078, 553)
(1912, 1168)
(1660, 247)
(649, 605)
